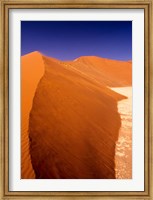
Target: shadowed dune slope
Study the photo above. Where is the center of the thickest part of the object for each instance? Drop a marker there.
(31, 72)
(113, 73)
(73, 124)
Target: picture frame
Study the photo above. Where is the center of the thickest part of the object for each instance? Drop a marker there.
(6, 6)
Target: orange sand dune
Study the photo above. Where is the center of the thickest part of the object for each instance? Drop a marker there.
(74, 121)
(73, 126)
(113, 73)
(31, 72)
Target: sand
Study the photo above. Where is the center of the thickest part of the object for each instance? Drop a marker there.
(105, 71)
(70, 116)
(31, 72)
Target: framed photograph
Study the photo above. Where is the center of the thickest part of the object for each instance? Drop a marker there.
(76, 82)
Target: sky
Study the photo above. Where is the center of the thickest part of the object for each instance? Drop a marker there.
(68, 40)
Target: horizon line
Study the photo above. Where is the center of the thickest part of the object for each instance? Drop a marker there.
(129, 60)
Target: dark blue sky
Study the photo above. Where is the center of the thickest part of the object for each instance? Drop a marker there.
(67, 40)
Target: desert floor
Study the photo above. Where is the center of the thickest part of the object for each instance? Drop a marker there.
(123, 155)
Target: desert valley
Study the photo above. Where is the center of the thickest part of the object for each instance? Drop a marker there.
(76, 118)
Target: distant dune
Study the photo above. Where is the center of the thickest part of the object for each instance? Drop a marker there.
(112, 73)
(70, 116)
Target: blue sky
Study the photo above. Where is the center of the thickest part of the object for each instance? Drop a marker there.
(67, 40)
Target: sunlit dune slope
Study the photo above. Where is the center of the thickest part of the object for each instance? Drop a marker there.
(31, 72)
(73, 125)
(113, 73)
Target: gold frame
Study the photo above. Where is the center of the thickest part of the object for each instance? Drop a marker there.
(5, 5)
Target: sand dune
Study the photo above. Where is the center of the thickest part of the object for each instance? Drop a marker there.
(74, 121)
(73, 126)
(31, 72)
(112, 73)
